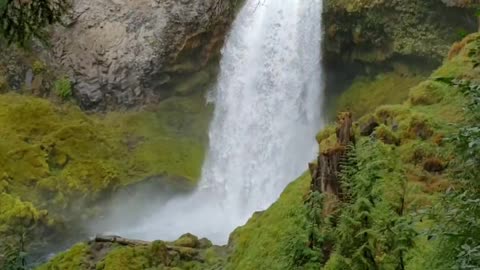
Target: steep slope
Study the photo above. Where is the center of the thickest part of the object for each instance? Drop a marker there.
(405, 155)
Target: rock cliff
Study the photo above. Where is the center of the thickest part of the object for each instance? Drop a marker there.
(126, 53)
(377, 30)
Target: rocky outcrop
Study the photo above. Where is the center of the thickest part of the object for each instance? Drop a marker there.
(115, 252)
(125, 53)
(374, 31)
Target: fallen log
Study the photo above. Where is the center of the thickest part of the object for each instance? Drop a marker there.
(119, 240)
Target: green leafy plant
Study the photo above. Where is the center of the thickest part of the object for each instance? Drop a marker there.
(63, 87)
(456, 216)
(13, 248)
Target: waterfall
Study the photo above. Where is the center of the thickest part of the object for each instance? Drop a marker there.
(267, 111)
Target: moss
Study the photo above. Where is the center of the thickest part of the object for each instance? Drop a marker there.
(270, 239)
(325, 133)
(459, 65)
(15, 213)
(374, 30)
(366, 93)
(38, 67)
(416, 151)
(427, 93)
(55, 155)
(328, 144)
(187, 240)
(128, 258)
(73, 259)
(386, 135)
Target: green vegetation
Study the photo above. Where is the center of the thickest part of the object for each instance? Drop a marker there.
(457, 228)
(276, 238)
(409, 186)
(366, 93)
(38, 67)
(373, 31)
(56, 155)
(63, 87)
(156, 255)
(22, 20)
(398, 209)
(73, 259)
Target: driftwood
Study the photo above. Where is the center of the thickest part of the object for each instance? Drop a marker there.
(326, 172)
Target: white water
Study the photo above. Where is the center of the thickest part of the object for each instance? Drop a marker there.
(267, 111)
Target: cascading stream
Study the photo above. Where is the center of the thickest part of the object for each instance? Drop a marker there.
(267, 111)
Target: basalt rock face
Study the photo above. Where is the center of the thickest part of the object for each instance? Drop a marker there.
(126, 53)
(372, 31)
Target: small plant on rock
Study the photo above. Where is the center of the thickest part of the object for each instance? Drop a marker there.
(63, 87)
(38, 67)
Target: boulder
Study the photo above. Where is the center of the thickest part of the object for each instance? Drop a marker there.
(187, 240)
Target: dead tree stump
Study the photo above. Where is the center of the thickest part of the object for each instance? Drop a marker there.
(326, 173)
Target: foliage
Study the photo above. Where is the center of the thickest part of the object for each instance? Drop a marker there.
(63, 87)
(22, 20)
(372, 230)
(15, 256)
(458, 228)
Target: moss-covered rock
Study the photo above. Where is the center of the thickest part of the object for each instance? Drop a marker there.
(73, 259)
(155, 255)
(373, 31)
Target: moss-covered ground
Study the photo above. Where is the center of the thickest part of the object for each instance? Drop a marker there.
(55, 157)
(366, 93)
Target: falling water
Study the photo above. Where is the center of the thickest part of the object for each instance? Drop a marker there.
(267, 111)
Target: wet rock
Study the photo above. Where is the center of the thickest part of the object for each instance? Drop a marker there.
(121, 53)
(368, 128)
